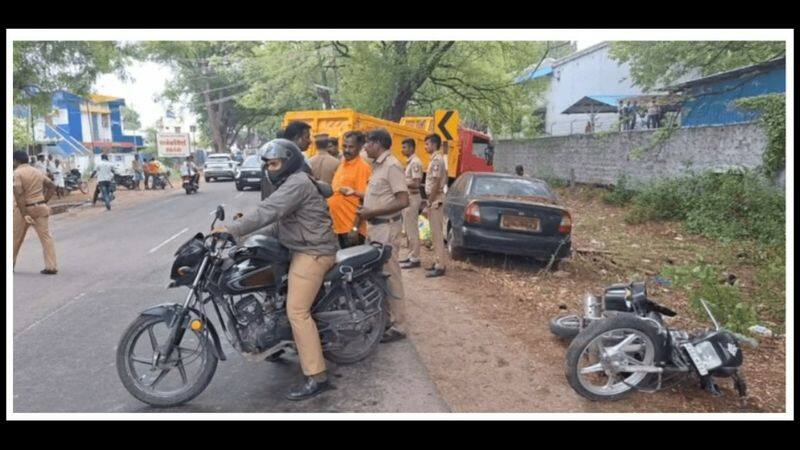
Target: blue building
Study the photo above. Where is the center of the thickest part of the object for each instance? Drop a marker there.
(711, 100)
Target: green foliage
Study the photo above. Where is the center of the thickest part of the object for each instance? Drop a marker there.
(130, 119)
(729, 206)
(69, 65)
(770, 284)
(702, 281)
(773, 121)
(620, 193)
(656, 63)
(22, 134)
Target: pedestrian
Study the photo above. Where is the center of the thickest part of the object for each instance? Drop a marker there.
(51, 166)
(349, 186)
(333, 147)
(297, 215)
(40, 164)
(435, 181)
(652, 115)
(632, 115)
(58, 178)
(323, 164)
(136, 165)
(519, 171)
(413, 175)
(386, 197)
(589, 128)
(32, 191)
(105, 172)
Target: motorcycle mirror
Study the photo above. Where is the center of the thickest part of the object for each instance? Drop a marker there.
(711, 316)
(220, 213)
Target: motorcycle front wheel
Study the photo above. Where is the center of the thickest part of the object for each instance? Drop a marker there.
(598, 357)
(159, 382)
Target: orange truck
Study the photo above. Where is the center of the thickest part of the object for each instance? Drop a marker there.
(467, 150)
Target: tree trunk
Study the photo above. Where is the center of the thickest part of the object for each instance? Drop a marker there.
(213, 117)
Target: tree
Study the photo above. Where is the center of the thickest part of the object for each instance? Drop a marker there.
(130, 118)
(69, 65)
(658, 63)
(22, 134)
(210, 75)
(391, 78)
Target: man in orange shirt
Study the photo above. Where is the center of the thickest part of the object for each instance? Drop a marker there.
(349, 185)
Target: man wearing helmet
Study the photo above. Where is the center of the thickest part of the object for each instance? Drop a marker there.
(297, 215)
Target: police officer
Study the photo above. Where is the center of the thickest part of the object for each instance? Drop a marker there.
(299, 218)
(32, 191)
(386, 197)
(435, 181)
(411, 214)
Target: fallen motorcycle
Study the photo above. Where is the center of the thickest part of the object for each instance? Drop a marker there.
(125, 180)
(72, 181)
(616, 297)
(625, 352)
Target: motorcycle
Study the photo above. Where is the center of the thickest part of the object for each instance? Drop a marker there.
(626, 351)
(159, 181)
(125, 180)
(190, 184)
(72, 181)
(246, 287)
(616, 297)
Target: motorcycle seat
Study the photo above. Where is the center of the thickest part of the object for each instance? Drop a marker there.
(352, 257)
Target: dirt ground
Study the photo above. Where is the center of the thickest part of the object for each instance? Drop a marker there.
(483, 329)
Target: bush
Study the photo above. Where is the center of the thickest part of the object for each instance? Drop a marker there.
(620, 194)
(725, 301)
(728, 206)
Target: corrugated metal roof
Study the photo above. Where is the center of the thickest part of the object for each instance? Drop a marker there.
(777, 62)
(540, 72)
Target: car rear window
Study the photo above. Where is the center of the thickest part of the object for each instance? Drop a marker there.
(218, 160)
(509, 186)
(252, 161)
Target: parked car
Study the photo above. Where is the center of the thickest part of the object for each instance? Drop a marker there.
(249, 174)
(505, 214)
(219, 165)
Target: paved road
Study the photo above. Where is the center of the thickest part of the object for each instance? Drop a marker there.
(113, 265)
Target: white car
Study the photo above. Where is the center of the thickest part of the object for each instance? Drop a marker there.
(220, 165)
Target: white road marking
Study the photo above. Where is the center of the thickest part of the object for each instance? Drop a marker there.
(239, 195)
(173, 237)
(51, 314)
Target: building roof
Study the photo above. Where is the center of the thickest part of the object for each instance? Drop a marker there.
(550, 65)
(100, 98)
(581, 53)
(538, 73)
(734, 73)
(596, 104)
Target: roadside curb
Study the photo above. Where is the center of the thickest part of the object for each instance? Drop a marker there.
(59, 209)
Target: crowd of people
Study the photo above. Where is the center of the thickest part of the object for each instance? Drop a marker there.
(632, 114)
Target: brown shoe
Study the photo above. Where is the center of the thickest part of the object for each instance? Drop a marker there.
(48, 272)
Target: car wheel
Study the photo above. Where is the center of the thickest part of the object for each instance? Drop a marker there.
(206, 178)
(457, 253)
(239, 187)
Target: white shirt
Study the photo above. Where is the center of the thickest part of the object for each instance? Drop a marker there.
(58, 176)
(105, 171)
(187, 169)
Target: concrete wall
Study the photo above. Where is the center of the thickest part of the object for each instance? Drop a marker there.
(601, 159)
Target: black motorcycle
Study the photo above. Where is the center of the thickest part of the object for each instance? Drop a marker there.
(190, 184)
(169, 354)
(628, 351)
(618, 297)
(73, 181)
(159, 181)
(125, 180)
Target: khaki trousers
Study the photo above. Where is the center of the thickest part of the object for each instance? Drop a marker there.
(411, 225)
(305, 278)
(41, 216)
(437, 235)
(389, 234)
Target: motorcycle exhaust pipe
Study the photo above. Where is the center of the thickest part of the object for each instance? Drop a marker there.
(593, 309)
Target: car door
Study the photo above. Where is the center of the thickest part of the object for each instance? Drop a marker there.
(455, 202)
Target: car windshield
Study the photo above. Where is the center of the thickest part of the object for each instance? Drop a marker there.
(512, 187)
(252, 161)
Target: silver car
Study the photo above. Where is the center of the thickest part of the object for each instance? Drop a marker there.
(220, 165)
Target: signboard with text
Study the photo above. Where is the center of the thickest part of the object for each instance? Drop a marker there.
(173, 145)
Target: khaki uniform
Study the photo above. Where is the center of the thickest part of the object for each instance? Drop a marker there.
(387, 179)
(30, 181)
(297, 215)
(411, 214)
(323, 166)
(435, 182)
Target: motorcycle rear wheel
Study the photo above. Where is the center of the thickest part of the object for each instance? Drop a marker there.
(83, 187)
(134, 369)
(374, 332)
